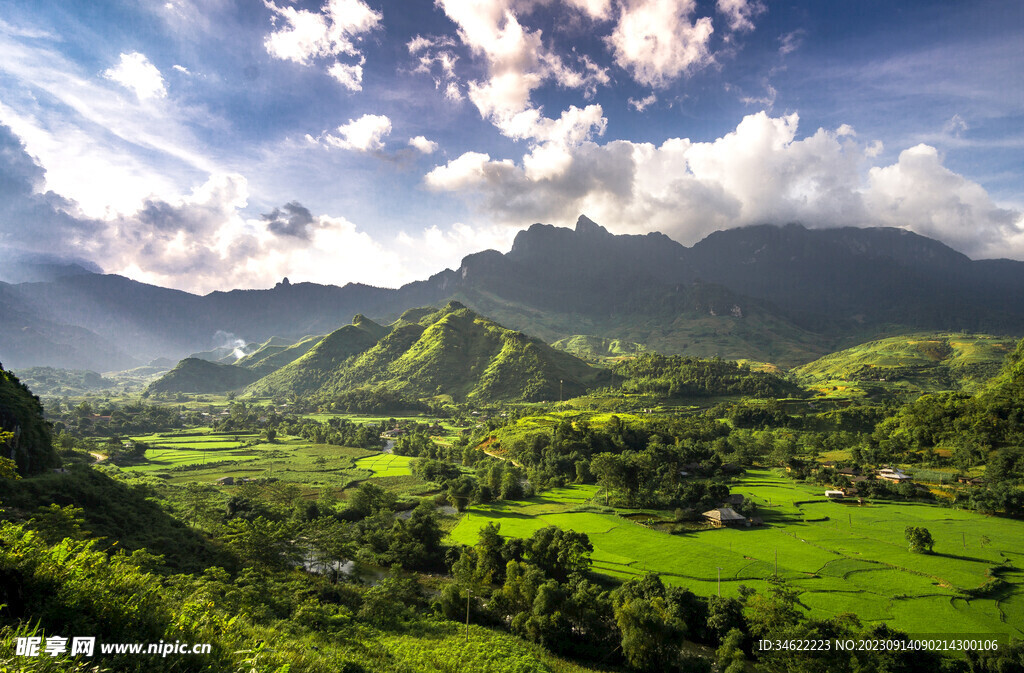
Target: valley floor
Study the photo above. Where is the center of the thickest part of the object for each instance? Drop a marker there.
(841, 557)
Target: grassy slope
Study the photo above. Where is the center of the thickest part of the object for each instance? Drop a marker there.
(277, 352)
(598, 348)
(920, 362)
(193, 375)
(451, 351)
(314, 369)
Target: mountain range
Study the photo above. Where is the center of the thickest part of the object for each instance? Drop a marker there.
(783, 294)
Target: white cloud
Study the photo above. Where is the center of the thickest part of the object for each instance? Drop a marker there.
(100, 148)
(760, 172)
(657, 41)
(517, 61)
(423, 145)
(182, 69)
(740, 13)
(956, 125)
(643, 103)
(452, 92)
(333, 31)
(433, 249)
(766, 101)
(469, 170)
(595, 9)
(362, 135)
(200, 241)
(350, 76)
(919, 193)
(135, 72)
(791, 41)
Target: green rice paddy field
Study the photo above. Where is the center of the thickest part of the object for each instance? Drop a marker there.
(841, 557)
(206, 457)
(386, 465)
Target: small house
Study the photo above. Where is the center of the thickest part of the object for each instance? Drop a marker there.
(893, 474)
(724, 516)
(835, 495)
(226, 481)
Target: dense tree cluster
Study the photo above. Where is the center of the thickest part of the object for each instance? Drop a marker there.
(681, 376)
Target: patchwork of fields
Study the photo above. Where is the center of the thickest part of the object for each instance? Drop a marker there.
(206, 457)
(841, 557)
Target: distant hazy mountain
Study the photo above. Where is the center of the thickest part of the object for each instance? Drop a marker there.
(428, 352)
(782, 294)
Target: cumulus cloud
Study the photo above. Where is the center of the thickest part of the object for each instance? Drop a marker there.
(202, 241)
(518, 62)
(361, 135)
(303, 36)
(920, 193)
(658, 40)
(423, 145)
(595, 9)
(760, 172)
(739, 13)
(349, 76)
(134, 71)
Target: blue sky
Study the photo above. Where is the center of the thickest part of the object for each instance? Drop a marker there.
(213, 144)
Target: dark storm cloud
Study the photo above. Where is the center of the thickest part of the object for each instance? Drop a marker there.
(292, 219)
(30, 220)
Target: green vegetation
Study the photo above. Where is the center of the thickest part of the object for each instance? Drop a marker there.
(839, 558)
(597, 349)
(50, 381)
(452, 352)
(675, 376)
(310, 372)
(24, 435)
(386, 465)
(193, 375)
(574, 529)
(276, 353)
(909, 365)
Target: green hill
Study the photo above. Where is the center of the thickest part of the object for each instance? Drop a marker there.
(278, 352)
(315, 369)
(598, 348)
(428, 352)
(914, 363)
(25, 436)
(193, 375)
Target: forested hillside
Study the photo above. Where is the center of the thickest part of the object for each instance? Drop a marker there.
(428, 352)
(25, 436)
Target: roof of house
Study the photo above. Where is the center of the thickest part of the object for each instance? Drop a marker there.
(724, 514)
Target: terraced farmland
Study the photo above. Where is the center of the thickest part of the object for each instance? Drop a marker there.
(386, 465)
(841, 557)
